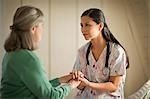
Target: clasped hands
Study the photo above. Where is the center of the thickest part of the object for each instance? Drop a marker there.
(75, 79)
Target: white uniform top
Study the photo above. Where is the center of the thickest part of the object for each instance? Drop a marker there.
(95, 71)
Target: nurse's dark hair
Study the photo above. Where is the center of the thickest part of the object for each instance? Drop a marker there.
(98, 16)
(20, 36)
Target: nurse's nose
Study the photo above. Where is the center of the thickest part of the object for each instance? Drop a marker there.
(83, 29)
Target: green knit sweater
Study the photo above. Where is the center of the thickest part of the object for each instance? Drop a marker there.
(23, 77)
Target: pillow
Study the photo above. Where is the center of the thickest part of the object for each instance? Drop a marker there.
(142, 93)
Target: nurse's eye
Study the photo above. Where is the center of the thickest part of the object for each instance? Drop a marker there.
(87, 25)
(81, 24)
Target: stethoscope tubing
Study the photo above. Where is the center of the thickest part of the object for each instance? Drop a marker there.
(105, 69)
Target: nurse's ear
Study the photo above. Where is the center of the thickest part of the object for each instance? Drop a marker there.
(101, 26)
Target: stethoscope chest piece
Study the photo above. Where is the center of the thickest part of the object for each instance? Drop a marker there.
(105, 71)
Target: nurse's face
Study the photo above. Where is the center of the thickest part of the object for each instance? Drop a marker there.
(89, 28)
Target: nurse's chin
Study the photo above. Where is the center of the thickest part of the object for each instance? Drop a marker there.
(87, 38)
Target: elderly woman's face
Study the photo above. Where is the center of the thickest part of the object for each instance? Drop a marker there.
(37, 32)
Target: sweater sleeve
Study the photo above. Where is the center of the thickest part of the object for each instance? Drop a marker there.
(55, 82)
(33, 76)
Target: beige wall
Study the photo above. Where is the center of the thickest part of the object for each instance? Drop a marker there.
(1, 39)
(149, 34)
(148, 1)
(138, 24)
(62, 37)
(63, 23)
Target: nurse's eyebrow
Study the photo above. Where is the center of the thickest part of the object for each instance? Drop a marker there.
(87, 22)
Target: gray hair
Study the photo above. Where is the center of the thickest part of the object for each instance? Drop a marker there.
(21, 37)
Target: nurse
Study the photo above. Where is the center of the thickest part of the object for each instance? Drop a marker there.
(23, 75)
(103, 60)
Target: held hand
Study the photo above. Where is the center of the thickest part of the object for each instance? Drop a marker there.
(77, 74)
(66, 78)
(74, 83)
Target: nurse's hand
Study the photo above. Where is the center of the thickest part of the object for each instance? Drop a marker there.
(84, 82)
(81, 86)
(74, 83)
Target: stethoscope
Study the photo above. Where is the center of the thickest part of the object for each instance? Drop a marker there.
(105, 70)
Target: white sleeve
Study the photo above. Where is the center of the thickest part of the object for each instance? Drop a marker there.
(117, 61)
(77, 64)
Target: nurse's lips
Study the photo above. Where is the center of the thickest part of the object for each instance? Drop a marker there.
(85, 34)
